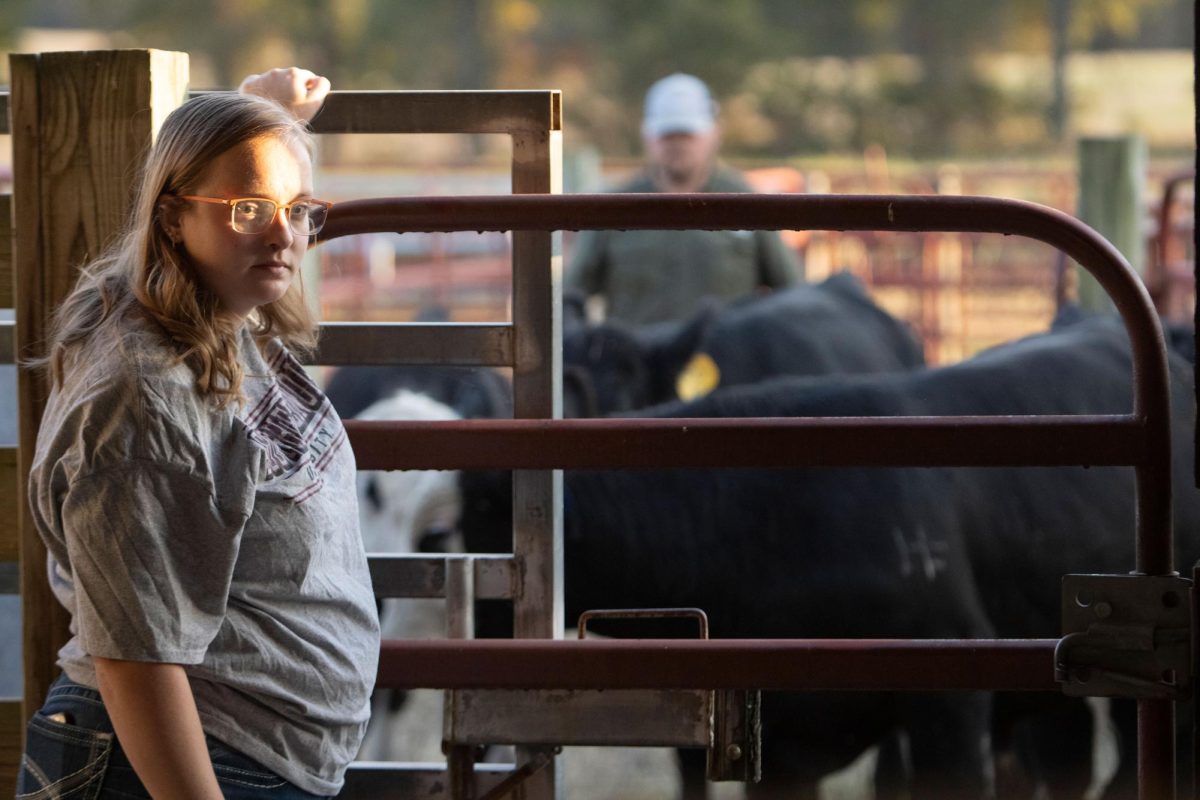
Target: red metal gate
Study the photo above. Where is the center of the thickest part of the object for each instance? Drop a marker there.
(1140, 439)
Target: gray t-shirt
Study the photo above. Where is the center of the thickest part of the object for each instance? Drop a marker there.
(224, 540)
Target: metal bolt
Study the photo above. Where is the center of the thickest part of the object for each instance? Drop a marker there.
(733, 752)
(1103, 610)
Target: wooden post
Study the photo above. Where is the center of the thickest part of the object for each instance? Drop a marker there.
(12, 724)
(81, 124)
(1112, 181)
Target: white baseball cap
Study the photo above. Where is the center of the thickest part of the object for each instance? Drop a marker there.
(678, 103)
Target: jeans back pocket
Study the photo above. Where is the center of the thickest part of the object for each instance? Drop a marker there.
(62, 761)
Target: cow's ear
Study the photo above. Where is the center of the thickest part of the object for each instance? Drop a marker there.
(670, 345)
(574, 305)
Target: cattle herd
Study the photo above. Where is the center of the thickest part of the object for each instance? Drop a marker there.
(853, 552)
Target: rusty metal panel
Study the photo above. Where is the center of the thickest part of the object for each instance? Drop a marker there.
(443, 343)
(397, 780)
(630, 718)
(411, 575)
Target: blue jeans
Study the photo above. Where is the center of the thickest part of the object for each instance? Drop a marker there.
(71, 753)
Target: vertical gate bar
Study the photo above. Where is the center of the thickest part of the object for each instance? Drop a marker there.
(460, 624)
(1192, 777)
(460, 598)
(1156, 749)
(537, 380)
(1153, 536)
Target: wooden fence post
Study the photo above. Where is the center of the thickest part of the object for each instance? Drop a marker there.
(1112, 182)
(81, 124)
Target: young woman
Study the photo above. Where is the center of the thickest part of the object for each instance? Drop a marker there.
(196, 490)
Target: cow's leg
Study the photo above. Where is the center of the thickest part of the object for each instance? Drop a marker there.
(950, 745)
(1056, 746)
(692, 769)
(893, 767)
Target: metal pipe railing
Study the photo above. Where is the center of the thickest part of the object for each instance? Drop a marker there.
(689, 442)
(1151, 408)
(809, 664)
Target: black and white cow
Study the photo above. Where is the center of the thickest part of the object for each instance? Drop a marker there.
(473, 392)
(808, 329)
(870, 552)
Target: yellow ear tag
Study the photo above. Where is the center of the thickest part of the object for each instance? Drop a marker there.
(698, 378)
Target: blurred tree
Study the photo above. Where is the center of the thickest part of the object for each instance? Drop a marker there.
(1065, 25)
(605, 54)
(14, 14)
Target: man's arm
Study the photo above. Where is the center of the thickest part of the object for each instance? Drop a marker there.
(586, 268)
(155, 718)
(778, 265)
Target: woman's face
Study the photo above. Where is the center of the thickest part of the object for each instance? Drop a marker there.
(244, 270)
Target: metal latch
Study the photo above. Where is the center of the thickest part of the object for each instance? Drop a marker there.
(1125, 635)
(735, 727)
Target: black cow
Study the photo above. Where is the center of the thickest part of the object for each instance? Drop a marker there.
(809, 329)
(870, 552)
(473, 392)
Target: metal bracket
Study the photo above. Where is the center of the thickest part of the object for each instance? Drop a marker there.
(1125, 635)
(735, 726)
(735, 753)
(726, 723)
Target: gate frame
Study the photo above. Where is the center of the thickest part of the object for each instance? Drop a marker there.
(706, 442)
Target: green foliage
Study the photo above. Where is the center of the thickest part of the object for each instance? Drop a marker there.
(13, 15)
(907, 77)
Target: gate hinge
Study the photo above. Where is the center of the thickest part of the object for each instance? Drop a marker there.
(1125, 635)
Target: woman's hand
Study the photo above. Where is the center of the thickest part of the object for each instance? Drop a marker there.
(298, 90)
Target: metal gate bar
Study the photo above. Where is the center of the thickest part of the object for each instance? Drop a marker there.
(1151, 412)
(1092, 440)
(1024, 665)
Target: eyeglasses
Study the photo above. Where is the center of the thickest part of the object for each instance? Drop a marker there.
(254, 214)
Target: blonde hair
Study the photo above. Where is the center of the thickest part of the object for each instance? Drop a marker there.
(144, 271)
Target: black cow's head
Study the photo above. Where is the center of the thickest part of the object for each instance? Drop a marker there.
(615, 368)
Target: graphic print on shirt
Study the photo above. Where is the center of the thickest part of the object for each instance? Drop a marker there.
(294, 424)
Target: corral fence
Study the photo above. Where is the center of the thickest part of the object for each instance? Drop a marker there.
(961, 291)
(80, 122)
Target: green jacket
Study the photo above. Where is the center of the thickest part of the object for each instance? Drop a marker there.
(650, 276)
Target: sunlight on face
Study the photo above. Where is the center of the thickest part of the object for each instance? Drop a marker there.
(246, 271)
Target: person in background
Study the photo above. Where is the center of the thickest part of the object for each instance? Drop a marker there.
(195, 489)
(652, 276)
